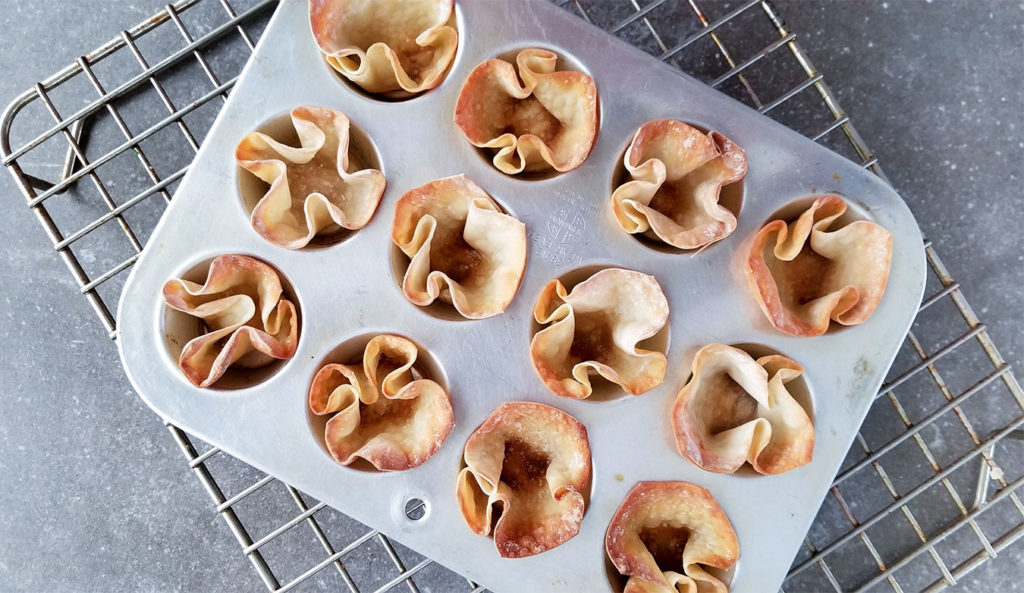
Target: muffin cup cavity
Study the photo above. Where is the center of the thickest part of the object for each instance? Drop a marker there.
(362, 156)
(350, 352)
(179, 328)
(731, 196)
(602, 389)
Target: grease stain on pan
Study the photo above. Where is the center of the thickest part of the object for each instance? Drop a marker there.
(863, 371)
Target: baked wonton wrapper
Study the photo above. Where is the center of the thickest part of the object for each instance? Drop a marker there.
(537, 121)
(804, 275)
(676, 175)
(393, 47)
(534, 461)
(596, 327)
(663, 536)
(381, 409)
(735, 409)
(463, 249)
(311, 189)
(247, 320)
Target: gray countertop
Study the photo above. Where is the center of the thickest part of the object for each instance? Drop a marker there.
(95, 495)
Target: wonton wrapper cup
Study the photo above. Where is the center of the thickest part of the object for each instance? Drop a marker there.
(735, 410)
(805, 275)
(675, 178)
(248, 321)
(536, 121)
(534, 461)
(463, 249)
(396, 48)
(380, 408)
(311, 189)
(687, 530)
(597, 327)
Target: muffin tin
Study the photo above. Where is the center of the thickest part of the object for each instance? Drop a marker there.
(348, 290)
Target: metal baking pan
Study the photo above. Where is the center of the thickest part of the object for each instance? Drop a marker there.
(349, 289)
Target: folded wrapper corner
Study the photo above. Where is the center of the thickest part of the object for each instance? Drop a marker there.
(533, 461)
(597, 327)
(247, 320)
(665, 533)
(805, 275)
(736, 409)
(676, 175)
(311, 189)
(396, 48)
(462, 248)
(381, 409)
(539, 120)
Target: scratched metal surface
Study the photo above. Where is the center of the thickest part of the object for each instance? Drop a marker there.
(350, 289)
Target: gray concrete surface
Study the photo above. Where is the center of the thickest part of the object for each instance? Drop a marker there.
(95, 496)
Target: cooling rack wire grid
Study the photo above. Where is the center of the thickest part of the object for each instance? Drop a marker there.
(930, 490)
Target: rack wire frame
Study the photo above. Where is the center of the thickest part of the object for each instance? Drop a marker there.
(947, 365)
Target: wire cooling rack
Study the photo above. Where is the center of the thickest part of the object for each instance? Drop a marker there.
(930, 490)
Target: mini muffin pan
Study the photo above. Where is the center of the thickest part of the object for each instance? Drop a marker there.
(347, 290)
